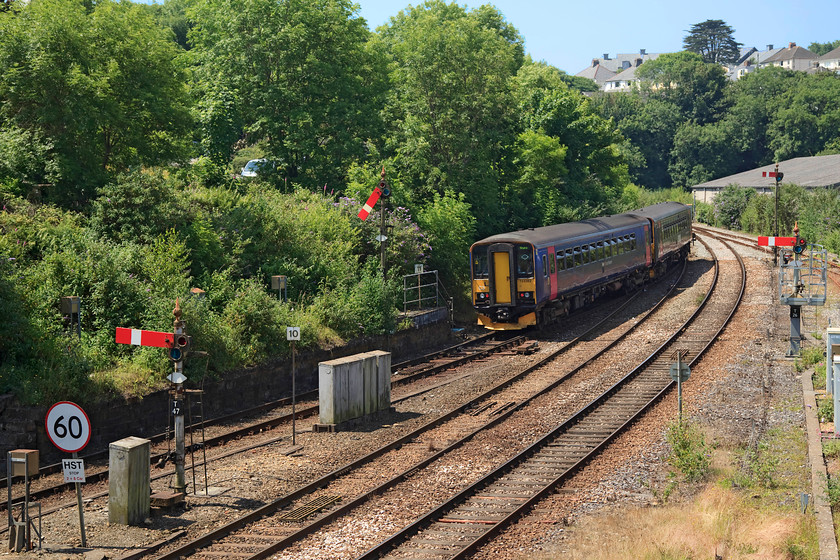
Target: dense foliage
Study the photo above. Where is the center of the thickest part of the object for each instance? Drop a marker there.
(689, 124)
(123, 125)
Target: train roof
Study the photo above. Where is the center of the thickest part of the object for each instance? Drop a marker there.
(551, 234)
(660, 210)
(548, 235)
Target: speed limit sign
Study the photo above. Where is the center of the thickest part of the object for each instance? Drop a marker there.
(292, 333)
(68, 427)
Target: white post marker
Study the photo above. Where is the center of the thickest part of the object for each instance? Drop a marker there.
(68, 428)
(292, 335)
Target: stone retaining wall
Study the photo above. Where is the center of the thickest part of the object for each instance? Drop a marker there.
(22, 427)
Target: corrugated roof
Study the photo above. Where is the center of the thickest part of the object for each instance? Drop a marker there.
(814, 172)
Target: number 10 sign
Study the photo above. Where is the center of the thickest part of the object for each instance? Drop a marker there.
(68, 427)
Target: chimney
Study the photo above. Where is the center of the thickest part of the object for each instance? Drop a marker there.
(791, 45)
(642, 52)
(606, 56)
(769, 47)
(594, 62)
(638, 62)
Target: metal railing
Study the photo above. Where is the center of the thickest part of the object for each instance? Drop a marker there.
(423, 290)
(802, 278)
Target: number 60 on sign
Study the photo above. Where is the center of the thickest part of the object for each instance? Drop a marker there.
(68, 427)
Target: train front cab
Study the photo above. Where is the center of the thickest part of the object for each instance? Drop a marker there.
(504, 285)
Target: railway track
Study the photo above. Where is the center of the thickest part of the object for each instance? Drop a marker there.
(405, 373)
(265, 532)
(468, 520)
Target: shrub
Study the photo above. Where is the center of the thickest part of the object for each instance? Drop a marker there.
(689, 453)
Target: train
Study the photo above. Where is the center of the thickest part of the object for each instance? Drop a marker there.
(533, 277)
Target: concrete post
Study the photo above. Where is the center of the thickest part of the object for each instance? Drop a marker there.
(129, 496)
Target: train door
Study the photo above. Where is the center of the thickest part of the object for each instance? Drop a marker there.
(552, 277)
(502, 258)
(648, 245)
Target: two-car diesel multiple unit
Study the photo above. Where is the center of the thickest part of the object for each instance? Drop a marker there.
(533, 276)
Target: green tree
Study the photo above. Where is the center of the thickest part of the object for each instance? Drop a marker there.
(730, 204)
(568, 160)
(807, 118)
(450, 111)
(713, 40)
(649, 125)
(701, 153)
(696, 87)
(451, 229)
(299, 76)
(101, 85)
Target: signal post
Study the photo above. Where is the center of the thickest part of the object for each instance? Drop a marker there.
(177, 344)
(176, 354)
(802, 279)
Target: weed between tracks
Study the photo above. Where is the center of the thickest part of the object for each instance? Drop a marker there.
(746, 507)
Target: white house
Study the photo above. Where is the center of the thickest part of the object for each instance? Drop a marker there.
(831, 60)
(793, 58)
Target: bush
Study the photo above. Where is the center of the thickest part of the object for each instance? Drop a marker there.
(136, 208)
(689, 453)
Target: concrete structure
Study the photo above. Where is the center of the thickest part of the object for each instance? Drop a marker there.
(354, 386)
(129, 495)
(809, 172)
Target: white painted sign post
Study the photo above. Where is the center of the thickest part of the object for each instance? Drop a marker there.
(68, 428)
(292, 335)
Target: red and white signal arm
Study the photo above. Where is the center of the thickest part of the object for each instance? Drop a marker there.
(371, 202)
(68, 426)
(776, 241)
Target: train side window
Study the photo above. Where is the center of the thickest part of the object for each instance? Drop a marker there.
(584, 253)
(545, 266)
(619, 246)
(632, 241)
(570, 259)
(600, 250)
(561, 260)
(578, 257)
(480, 264)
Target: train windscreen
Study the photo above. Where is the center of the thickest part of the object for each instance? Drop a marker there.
(481, 268)
(524, 261)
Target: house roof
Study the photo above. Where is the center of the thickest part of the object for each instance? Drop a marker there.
(793, 52)
(617, 64)
(597, 73)
(627, 76)
(815, 171)
(831, 55)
